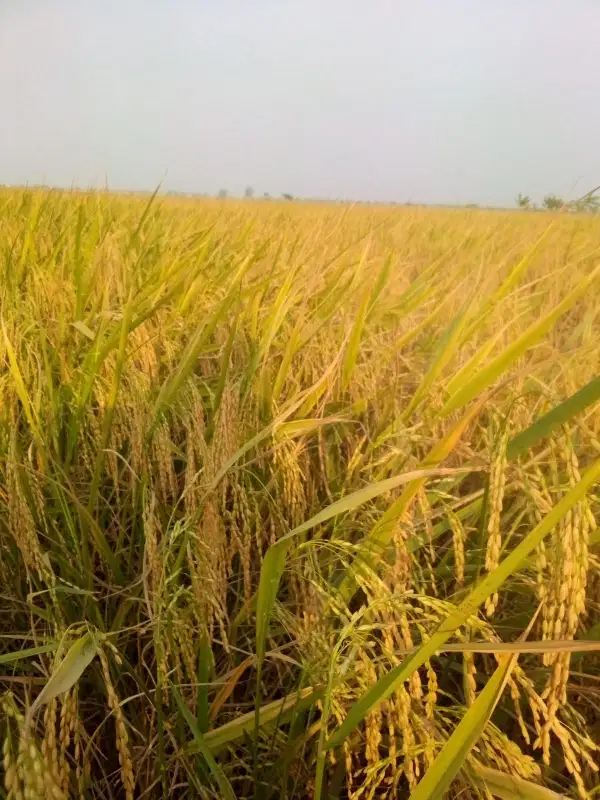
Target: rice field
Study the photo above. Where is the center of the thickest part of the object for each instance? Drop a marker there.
(297, 500)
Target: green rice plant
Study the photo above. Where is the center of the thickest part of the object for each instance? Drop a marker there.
(249, 453)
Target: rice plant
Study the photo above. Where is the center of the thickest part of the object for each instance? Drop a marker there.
(297, 500)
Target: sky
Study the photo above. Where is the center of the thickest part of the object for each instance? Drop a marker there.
(427, 101)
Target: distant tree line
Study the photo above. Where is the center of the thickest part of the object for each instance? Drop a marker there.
(249, 194)
(588, 203)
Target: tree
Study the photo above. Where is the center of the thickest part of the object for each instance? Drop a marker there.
(591, 204)
(588, 203)
(552, 203)
(287, 196)
(523, 200)
(249, 192)
(222, 194)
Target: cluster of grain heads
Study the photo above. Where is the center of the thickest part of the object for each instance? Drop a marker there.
(29, 772)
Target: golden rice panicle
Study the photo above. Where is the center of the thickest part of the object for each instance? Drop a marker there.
(226, 435)
(10, 770)
(28, 775)
(497, 482)
(196, 450)
(568, 581)
(576, 752)
(524, 687)
(506, 755)
(49, 742)
(429, 552)
(210, 551)
(143, 346)
(389, 711)
(403, 705)
(469, 678)
(576, 600)
(539, 501)
(163, 460)
(399, 575)
(207, 561)
(356, 457)
(516, 699)
(21, 521)
(287, 463)
(241, 534)
(68, 723)
(122, 737)
(432, 691)
(37, 779)
(181, 628)
(459, 537)
(153, 565)
(399, 579)
(207, 546)
(313, 607)
(81, 758)
(127, 455)
(374, 720)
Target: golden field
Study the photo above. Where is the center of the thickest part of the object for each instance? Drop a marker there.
(297, 500)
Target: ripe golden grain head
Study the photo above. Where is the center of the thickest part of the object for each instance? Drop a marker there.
(122, 737)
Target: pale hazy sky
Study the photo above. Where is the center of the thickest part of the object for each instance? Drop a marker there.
(427, 100)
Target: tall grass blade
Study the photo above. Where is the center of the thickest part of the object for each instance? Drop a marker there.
(189, 358)
(443, 353)
(21, 390)
(134, 239)
(17, 655)
(559, 415)
(225, 787)
(276, 712)
(353, 346)
(509, 284)
(536, 331)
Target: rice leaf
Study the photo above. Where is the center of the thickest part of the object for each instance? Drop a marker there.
(17, 655)
(277, 712)
(445, 350)
(225, 787)
(512, 787)
(353, 346)
(79, 656)
(189, 358)
(21, 390)
(559, 415)
(508, 284)
(84, 329)
(301, 427)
